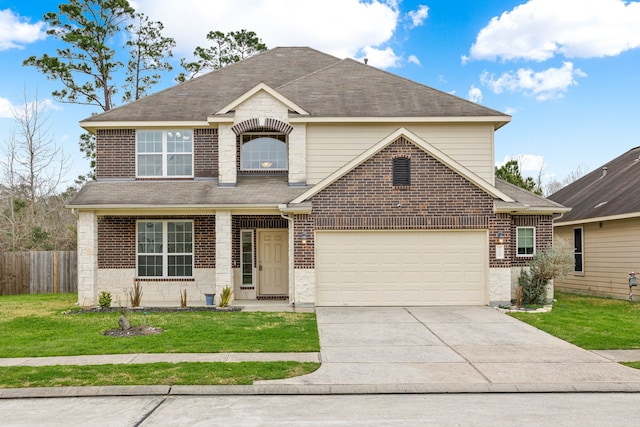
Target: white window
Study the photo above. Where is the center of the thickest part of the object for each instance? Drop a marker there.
(164, 153)
(526, 241)
(246, 255)
(261, 151)
(164, 248)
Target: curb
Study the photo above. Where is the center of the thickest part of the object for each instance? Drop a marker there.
(308, 389)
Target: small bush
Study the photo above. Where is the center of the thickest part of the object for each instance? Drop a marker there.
(225, 297)
(104, 300)
(552, 263)
(183, 298)
(135, 294)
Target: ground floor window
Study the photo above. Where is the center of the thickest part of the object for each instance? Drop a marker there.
(246, 257)
(526, 241)
(164, 248)
(578, 250)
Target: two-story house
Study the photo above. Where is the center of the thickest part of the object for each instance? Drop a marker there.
(296, 175)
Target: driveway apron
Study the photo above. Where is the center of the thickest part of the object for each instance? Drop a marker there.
(464, 348)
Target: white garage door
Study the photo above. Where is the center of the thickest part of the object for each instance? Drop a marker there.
(401, 268)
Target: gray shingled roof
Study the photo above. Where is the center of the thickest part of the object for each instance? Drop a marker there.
(525, 200)
(321, 84)
(595, 195)
(250, 191)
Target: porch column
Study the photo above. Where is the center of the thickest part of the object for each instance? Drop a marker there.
(87, 258)
(224, 272)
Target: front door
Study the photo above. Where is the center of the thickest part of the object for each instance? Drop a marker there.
(273, 262)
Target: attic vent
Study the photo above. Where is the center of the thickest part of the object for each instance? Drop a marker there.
(401, 172)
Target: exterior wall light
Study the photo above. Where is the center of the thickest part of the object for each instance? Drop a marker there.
(303, 237)
(500, 237)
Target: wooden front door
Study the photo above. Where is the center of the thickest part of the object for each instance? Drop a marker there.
(273, 262)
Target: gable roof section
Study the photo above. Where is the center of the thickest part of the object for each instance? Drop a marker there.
(261, 87)
(433, 151)
(601, 196)
(311, 81)
(525, 201)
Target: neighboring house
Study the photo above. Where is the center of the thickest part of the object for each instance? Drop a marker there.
(603, 227)
(299, 176)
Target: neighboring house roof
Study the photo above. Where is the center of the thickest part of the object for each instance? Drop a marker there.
(251, 191)
(525, 201)
(610, 192)
(322, 85)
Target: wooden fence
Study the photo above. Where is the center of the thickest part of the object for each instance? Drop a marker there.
(42, 272)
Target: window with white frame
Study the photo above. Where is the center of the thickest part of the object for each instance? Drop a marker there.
(164, 248)
(261, 151)
(578, 251)
(164, 153)
(246, 258)
(526, 241)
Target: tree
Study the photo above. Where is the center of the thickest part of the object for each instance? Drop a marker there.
(574, 175)
(32, 170)
(510, 172)
(87, 63)
(148, 52)
(88, 66)
(225, 49)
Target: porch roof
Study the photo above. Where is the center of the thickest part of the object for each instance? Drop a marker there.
(250, 191)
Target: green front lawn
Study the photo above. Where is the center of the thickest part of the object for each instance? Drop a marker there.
(590, 322)
(35, 325)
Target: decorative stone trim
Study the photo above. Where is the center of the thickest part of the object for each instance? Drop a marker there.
(267, 125)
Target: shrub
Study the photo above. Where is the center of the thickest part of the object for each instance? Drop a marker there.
(135, 294)
(552, 263)
(104, 300)
(225, 297)
(183, 299)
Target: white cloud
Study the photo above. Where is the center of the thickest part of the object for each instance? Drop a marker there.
(541, 29)
(419, 15)
(339, 27)
(381, 58)
(6, 109)
(511, 110)
(413, 59)
(15, 31)
(475, 94)
(526, 162)
(548, 84)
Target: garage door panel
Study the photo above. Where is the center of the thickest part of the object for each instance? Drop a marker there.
(401, 267)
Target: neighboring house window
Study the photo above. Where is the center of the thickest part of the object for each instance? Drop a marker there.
(526, 241)
(401, 171)
(165, 248)
(260, 151)
(578, 251)
(164, 153)
(246, 256)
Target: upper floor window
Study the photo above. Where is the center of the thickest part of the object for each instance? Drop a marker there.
(526, 241)
(164, 153)
(261, 151)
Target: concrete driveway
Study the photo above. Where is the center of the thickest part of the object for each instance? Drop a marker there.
(452, 349)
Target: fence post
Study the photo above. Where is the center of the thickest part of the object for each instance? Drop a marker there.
(55, 272)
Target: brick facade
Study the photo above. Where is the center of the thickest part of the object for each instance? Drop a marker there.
(437, 199)
(117, 240)
(116, 153)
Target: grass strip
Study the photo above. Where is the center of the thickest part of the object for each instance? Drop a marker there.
(592, 323)
(36, 326)
(184, 373)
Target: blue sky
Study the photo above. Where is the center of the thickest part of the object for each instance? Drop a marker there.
(566, 70)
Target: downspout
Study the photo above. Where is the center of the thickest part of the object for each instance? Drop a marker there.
(292, 282)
